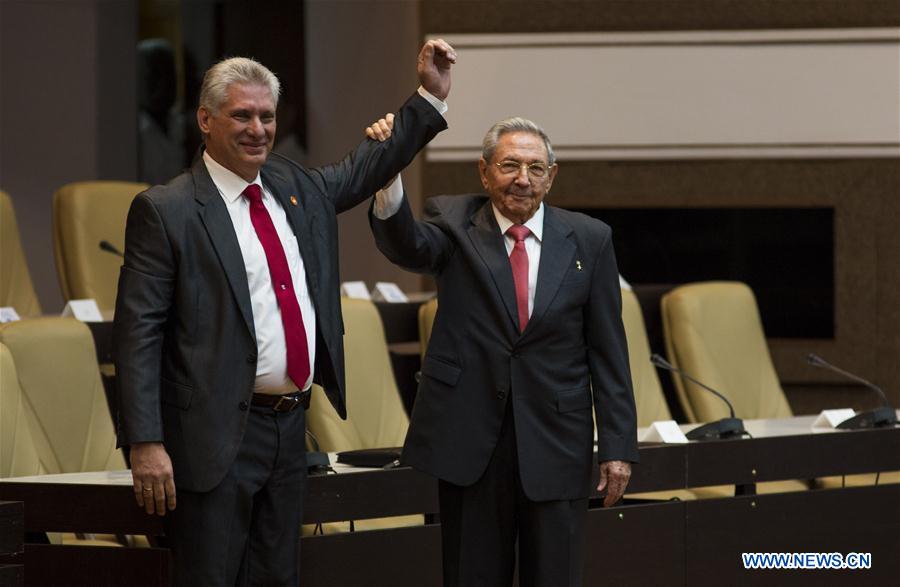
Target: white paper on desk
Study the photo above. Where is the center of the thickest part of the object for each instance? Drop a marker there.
(84, 310)
(356, 290)
(664, 431)
(389, 292)
(8, 314)
(829, 419)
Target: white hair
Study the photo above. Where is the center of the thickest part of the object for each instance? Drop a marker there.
(236, 70)
(514, 124)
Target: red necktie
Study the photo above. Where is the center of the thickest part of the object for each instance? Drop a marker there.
(294, 331)
(519, 261)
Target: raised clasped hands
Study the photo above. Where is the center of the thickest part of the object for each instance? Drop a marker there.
(433, 67)
(380, 130)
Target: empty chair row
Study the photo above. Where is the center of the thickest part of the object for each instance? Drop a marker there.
(85, 214)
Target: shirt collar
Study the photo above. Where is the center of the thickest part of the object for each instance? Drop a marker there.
(535, 224)
(229, 184)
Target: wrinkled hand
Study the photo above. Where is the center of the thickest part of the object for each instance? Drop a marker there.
(433, 67)
(154, 482)
(381, 129)
(614, 475)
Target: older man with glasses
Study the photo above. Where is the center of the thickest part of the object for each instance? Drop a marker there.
(528, 337)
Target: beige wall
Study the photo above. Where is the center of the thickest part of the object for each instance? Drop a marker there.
(67, 108)
(696, 94)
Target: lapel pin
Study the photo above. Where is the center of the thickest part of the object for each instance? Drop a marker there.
(293, 200)
(577, 265)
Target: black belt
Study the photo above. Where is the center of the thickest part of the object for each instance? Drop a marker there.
(283, 403)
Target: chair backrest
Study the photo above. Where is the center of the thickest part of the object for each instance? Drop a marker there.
(427, 313)
(85, 213)
(18, 454)
(375, 414)
(713, 332)
(62, 395)
(16, 288)
(648, 394)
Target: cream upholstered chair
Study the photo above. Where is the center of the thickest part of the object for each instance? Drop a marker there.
(85, 213)
(55, 417)
(648, 394)
(16, 288)
(375, 414)
(713, 331)
(62, 398)
(427, 313)
(18, 454)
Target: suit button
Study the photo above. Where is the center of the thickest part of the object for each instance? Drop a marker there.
(501, 394)
(243, 406)
(251, 358)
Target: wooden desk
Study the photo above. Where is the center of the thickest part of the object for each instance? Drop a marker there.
(672, 543)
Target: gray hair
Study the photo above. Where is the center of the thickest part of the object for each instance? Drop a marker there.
(514, 124)
(236, 70)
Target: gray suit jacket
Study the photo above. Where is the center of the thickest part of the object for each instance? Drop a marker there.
(184, 334)
(572, 354)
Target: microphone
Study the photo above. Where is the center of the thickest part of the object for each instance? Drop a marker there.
(725, 428)
(109, 248)
(883, 416)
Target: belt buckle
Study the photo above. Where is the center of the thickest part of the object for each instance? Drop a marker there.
(286, 403)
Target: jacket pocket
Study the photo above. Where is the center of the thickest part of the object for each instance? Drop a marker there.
(443, 371)
(176, 394)
(573, 399)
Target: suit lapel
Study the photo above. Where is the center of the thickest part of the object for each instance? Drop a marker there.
(218, 225)
(302, 220)
(557, 252)
(487, 240)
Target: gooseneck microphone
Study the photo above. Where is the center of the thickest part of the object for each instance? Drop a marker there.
(883, 416)
(725, 428)
(110, 248)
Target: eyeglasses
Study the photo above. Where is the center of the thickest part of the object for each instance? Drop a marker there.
(509, 167)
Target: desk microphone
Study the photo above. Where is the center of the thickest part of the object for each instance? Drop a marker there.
(109, 248)
(724, 428)
(883, 416)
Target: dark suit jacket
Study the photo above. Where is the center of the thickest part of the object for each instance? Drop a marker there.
(184, 335)
(572, 353)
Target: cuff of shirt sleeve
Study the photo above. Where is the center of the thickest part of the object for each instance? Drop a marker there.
(388, 199)
(438, 104)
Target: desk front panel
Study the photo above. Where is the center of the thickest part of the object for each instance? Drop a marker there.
(859, 520)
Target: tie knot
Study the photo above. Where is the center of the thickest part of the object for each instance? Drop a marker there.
(519, 232)
(253, 193)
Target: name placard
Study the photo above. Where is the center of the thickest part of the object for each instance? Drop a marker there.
(664, 431)
(84, 310)
(388, 291)
(829, 419)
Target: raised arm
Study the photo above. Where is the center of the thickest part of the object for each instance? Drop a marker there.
(371, 164)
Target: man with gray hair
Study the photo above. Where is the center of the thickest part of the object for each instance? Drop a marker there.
(228, 309)
(528, 336)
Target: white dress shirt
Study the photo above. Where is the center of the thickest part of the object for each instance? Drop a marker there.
(271, 365)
